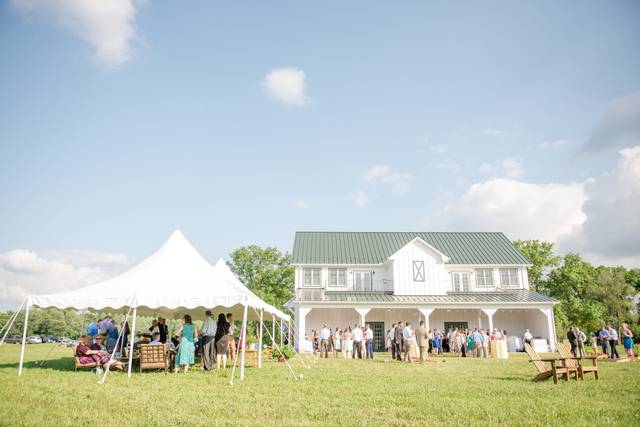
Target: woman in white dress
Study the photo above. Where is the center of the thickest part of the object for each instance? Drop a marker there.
(347, 343)
(336, 342)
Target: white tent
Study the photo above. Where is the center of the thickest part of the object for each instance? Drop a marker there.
(174, 281)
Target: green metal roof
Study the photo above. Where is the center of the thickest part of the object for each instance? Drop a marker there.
(495, 297)
(312, 247)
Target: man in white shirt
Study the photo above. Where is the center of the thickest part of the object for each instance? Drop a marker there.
(407, 335)
(357, 342)
(527, 338)
(368, 336)
(208, 333)
(325, 341)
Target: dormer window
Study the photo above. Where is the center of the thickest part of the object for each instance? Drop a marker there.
(337, 277)
(418, 271)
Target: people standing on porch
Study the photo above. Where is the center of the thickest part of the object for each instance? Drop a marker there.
(337, 342)
(604, 340)
(527, 337)
(188, 335)
(613, 341)
(422, 339)
(436, 342)
(408, 340)
(368, 336)
(221, 340)
(485, 343)
(398, 340)
(325, 341)
(357, 342)
(389, 341)
(627, 340)
(571, 336)
(208, 333)
(347, 343)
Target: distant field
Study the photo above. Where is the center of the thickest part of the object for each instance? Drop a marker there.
(466, 392)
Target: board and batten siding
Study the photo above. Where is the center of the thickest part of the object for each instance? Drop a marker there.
(435, 282)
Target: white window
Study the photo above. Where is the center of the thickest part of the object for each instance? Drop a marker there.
(311, 277)
(484, 278)
(460, 281)
(337, 277)
(418, 271)
(362, 281)
(509, 278)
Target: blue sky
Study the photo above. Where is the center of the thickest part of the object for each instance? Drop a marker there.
(116, 129)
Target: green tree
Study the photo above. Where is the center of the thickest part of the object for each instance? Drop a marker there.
(541, 256)
(613, 291)
(572, 284)
(266, 271)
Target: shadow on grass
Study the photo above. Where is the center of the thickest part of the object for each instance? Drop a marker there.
(62, 364)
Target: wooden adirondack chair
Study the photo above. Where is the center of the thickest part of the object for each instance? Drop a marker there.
(154, 356)
(576, 362)
(543, 372)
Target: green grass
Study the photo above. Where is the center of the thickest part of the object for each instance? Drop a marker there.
(344, 392)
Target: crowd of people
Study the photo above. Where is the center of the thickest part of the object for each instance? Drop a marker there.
(214, 342)
(606, 339)
(404, 342)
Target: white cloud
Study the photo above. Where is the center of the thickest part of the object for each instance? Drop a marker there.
(108, 26)
(301, 204)
(521, 210)
(612, 209)
(360, 199)
(507, 168)
(24, 272)
(555, 143)
(399, 182)
(597, 218)
(619, 125)
(438, 148)
(286, 86)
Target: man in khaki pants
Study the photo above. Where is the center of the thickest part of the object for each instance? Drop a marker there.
(422, 339)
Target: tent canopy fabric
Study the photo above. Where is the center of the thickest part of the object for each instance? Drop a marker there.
(174, 281)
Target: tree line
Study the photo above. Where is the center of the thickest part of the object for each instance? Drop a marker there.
(589, 295)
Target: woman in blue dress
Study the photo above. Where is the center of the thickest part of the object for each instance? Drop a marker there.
(186, 350)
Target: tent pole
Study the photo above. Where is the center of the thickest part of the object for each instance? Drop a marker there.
(11, 321)
(106, 371)
(260, 340)
(285, 360)
(243, 334)
(281, 331)
(133, 334)
(273, 331)
(24, 336)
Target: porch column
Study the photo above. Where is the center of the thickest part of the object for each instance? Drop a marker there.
(551, 327)
(362, 311)
(301, 317)
(489, 312)
(479, 319)
(426, 312)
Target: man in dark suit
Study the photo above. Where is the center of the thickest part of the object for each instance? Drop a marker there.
(398, 341)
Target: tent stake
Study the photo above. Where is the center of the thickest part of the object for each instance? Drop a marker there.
(24, 336)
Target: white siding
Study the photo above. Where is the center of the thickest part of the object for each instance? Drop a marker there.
(403, 283)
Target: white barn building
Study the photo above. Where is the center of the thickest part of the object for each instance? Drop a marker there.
(447, 279)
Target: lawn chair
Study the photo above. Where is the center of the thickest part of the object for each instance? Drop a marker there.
(85, 365)
(543, 372)
(154, 356)
(576, 362)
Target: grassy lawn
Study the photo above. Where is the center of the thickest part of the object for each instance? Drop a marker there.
(344, 392)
